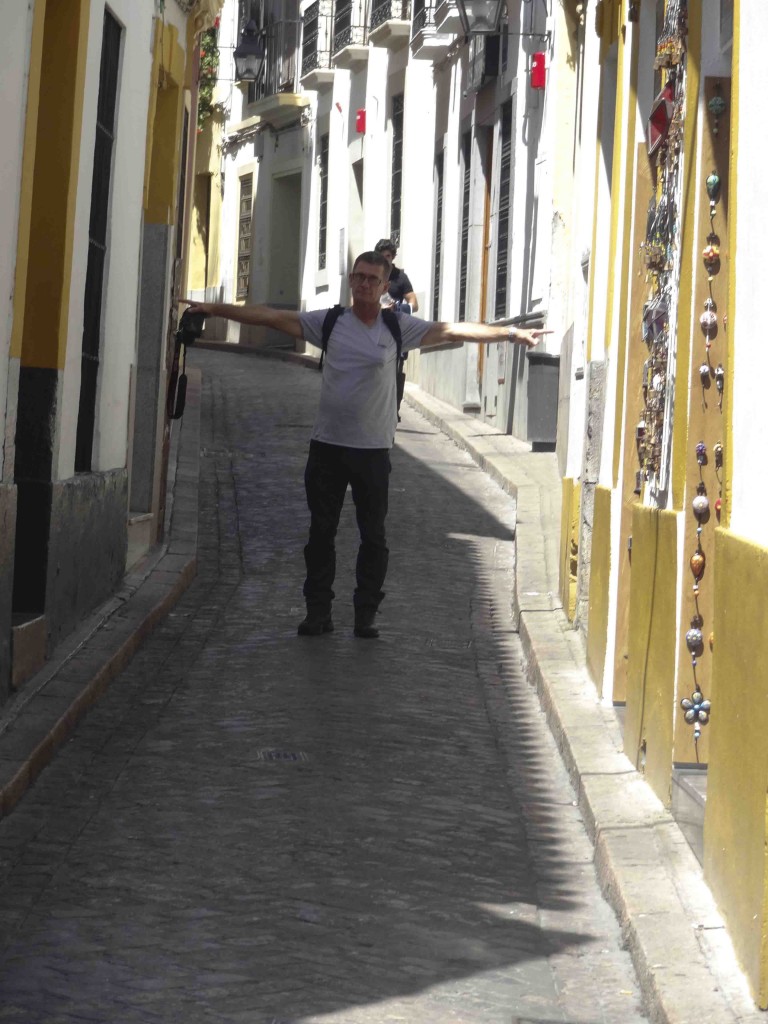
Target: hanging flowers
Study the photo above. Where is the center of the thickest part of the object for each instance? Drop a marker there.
(209, 72)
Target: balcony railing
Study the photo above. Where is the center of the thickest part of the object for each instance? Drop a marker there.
(282, 62)
(349, 27)
(389, 10)
(316, 46)
(423, 15)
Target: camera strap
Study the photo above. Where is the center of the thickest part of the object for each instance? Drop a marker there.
(176, 398)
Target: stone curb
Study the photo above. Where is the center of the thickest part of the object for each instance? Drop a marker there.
(42, 716)
(682, 954)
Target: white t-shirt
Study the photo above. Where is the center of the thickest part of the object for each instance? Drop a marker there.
(358, 398)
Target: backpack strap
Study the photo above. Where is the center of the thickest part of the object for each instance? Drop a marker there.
(331, 317)
(390, 319)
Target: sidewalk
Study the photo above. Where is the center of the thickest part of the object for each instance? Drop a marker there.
(679, 946)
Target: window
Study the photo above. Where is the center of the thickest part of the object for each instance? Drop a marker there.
(466, 153)
(438, 247)
(505, 203)
(398, 108)
(97, 241)
(322, 232)
(244, 237)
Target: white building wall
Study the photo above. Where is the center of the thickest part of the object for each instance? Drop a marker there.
(747, 303)
(120, 301)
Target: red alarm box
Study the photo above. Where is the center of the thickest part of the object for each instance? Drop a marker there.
(360, 121)
(539, 71)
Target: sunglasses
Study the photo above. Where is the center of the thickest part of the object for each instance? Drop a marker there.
(369, 279)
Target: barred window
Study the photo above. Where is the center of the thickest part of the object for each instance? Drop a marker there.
(466, 152)
(505, 203)
(322, 231)
(438, 246)
(244, 236)
(398, 108)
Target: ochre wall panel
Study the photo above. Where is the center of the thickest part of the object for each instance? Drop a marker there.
(651, 646)
(735, 833)
(599, 586)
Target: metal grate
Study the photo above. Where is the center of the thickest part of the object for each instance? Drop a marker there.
(244, 236)
(438, 249)
(466, 153)
(97, 241)
(398, 112)
(322, 231)
(505, 204)
(349, 25)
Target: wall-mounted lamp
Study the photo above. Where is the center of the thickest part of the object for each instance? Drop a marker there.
(480, 17)
(250, 54)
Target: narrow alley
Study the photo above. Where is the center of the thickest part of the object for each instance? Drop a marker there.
(259, 828)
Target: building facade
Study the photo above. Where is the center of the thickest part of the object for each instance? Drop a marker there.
(97, 97)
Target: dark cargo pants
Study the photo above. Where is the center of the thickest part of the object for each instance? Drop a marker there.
(330, 469)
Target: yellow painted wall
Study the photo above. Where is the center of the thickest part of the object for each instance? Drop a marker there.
(599, 591)
(569, 544)
(736, 822)
(164, 127)
(651, 646)
(57, 113)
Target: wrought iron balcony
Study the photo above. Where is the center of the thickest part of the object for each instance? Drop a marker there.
(427, 42)
(349, 28)
(316, 45)
(389, 10)
(282, 60)
(390, 23)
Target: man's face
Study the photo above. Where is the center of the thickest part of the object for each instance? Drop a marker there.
(368, 282)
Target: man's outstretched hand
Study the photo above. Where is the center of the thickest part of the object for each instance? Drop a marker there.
(529, 338)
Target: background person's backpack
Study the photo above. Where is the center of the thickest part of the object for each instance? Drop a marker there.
(391, 321)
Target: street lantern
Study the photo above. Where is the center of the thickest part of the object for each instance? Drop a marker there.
(249, 54)
(480, 17)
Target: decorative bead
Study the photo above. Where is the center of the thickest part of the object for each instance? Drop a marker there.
(698, 564)
(704, 373)
(713, 185)
(700, 505)
(718, 506)
(717, 105)
(711, 254)
(717, 450)
(719, 376)
(708, 321)
(694, 640)
(701, 453)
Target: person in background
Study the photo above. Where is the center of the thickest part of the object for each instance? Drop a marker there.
(399, 287)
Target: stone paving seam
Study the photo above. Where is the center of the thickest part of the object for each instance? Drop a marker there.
(103, 646)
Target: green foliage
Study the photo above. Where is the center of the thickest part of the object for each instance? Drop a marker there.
(209, 72)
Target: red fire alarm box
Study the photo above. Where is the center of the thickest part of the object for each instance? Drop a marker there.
(539, 71)
(360, 121)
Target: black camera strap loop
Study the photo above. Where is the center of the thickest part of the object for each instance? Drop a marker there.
(177, 382)
(190, 327)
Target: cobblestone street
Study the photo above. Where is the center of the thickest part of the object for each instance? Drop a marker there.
(258, 828)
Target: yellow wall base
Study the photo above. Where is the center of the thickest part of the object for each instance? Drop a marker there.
(651, 646)
(599, 581)
(736, 821)
(569, 544)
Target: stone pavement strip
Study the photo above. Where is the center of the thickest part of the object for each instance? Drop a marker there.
(248, 826)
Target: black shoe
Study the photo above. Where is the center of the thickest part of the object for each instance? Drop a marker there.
(315, 624)
(364, 627)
